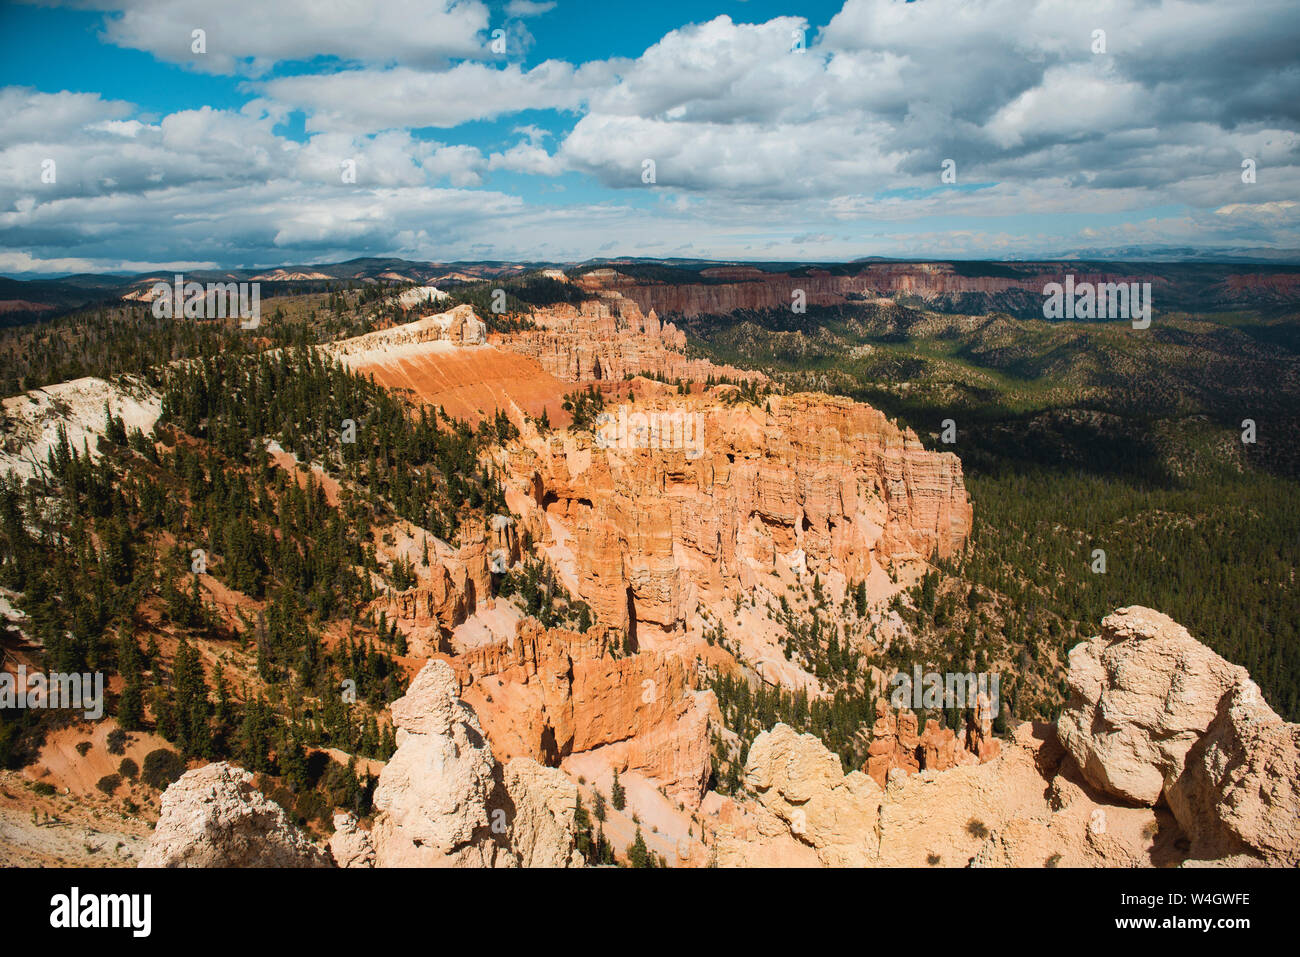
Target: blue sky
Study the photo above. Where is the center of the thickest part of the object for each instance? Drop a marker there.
(122, 149)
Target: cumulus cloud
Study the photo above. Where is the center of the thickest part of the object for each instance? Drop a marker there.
(375, 99)
(251, 36)
(766, 138)
(527, 158)
(888, 91)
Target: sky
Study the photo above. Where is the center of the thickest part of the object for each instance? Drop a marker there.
(303, 131)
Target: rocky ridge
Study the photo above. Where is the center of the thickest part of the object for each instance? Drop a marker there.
(1155, 714)
(1048, 798)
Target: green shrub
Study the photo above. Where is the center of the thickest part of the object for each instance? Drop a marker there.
(161, 768)
(116, 741)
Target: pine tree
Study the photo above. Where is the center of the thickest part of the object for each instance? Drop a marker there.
(638, 855)
(617, 795)
(582, 830)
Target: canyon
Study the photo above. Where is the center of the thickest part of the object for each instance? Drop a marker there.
(658, 542)
(654, 540)
(685, 547)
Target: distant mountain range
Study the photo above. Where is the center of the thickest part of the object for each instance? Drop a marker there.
(1241, 274)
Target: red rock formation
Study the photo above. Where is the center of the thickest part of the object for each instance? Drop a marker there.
(979, 732)
(549, 694)
(807, 479)
(608, 339)
(895, 744)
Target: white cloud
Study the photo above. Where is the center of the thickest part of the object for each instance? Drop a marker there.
(839, 145)
(30, 116)
(526, 158)
(372, 99)
(250, 36)
(529, 8)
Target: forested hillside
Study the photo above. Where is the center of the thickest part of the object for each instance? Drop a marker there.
(1075, 439)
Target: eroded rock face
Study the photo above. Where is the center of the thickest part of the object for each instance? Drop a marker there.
(895, 744)
(214, 817)
(550, 694)
(817, 481)
(350, 845)
(609, 338)
(800, 781)
(813, 480)
(1143, 693)
(1156, 713)
(1240, 787)
(443, 800)
(434, 792)
(544, 802)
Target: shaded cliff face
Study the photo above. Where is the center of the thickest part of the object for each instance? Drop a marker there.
(807, 482)
(741, 289)
(766, 291)
(970, 287)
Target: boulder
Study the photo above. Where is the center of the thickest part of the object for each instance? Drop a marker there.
(1157, 715)
(350, 845)
(544, 802)
(214, 817)
(1143, 693)
(1239, 792)
(800, 780)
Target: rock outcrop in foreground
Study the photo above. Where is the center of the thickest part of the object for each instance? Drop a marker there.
(1155, 714)
(443, 800)
(214, 817)
(1165, 755)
